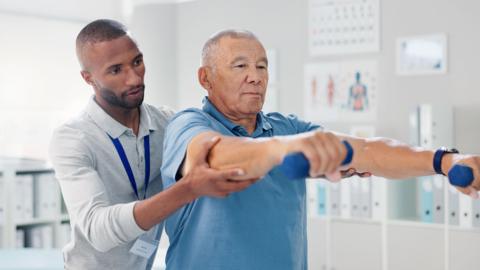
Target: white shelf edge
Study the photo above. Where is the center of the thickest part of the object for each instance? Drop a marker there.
(36, 221)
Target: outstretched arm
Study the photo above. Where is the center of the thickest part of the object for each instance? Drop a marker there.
(379, 156)
(257, 157)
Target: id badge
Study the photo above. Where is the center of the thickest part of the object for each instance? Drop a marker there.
(144, 246)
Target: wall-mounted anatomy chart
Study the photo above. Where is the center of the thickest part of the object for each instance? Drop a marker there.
(341, 91)
(344, 26)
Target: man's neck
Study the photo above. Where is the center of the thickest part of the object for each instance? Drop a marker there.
(127, 117)
(249, 123)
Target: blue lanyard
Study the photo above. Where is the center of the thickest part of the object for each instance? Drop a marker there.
(126, 164)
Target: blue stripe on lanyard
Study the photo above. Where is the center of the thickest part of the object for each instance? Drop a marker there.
(126, 164)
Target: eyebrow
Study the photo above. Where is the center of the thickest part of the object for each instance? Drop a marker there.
(243, 58)
(140, 55)
(239, 58)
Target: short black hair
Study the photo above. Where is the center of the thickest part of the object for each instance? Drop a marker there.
(98, 31)
(101, 30)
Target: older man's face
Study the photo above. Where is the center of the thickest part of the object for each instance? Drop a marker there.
(240, 77)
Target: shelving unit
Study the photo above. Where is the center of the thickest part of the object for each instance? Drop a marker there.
(398, 239)
(31, 206)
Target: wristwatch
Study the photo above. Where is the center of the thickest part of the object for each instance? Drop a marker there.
(437, 158)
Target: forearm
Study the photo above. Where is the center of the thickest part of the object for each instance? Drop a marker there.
(254, 156)
(154, 210)
(390, 158)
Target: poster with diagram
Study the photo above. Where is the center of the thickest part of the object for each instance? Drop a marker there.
(341, 91)
(344, 26)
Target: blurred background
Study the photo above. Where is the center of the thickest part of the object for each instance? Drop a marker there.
(407, 70)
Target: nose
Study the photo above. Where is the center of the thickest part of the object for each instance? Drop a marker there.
(134, 77)
(254, 75)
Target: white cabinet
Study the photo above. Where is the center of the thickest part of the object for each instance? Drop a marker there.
(464, 249)
(317, 243)
(394, 240)
(356, 245)
(413, 246)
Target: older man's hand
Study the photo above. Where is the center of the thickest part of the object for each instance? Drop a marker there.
(324, 151)
(471, 161)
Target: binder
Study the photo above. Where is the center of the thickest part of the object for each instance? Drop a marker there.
(334, 200)
(321, 206)
(345, 199)
(355, 194)
(46, 196)
(476, 213)
(28, 197)
(378, 190)
(311, 197)
(20, 238)
(366, 197)
(453, 205)
(465, 204)
(2, 203)
(438, 199)
(23, 203)
(34, 237)
(46, 234)
(426, 199)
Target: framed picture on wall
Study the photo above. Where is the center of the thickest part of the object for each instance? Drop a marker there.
(422, 55)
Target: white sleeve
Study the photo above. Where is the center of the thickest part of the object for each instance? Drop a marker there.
(104, 225)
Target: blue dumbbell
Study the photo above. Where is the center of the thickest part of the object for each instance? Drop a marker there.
(296, 165)
(460, 175)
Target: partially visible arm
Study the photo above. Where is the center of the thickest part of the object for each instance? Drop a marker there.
(104, 225)
(258, 156)
(255, 156)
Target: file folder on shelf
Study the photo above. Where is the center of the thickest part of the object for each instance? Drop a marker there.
(426, 199)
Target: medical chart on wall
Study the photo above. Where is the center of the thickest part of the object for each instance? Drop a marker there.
(341, 91)
(344, 26)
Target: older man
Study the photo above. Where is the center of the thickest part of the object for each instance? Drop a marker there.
(264, 226)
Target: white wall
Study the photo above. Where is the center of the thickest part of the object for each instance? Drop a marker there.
(281, 25)
(155, 29)
(40, 82)
(40, 85)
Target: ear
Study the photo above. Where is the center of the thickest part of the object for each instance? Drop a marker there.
(87, 77)
(204, 76)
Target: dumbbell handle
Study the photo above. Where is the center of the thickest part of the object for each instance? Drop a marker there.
(461, 175)
(296, 165)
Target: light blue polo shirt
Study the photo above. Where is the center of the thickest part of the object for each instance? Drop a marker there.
(262, 227)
